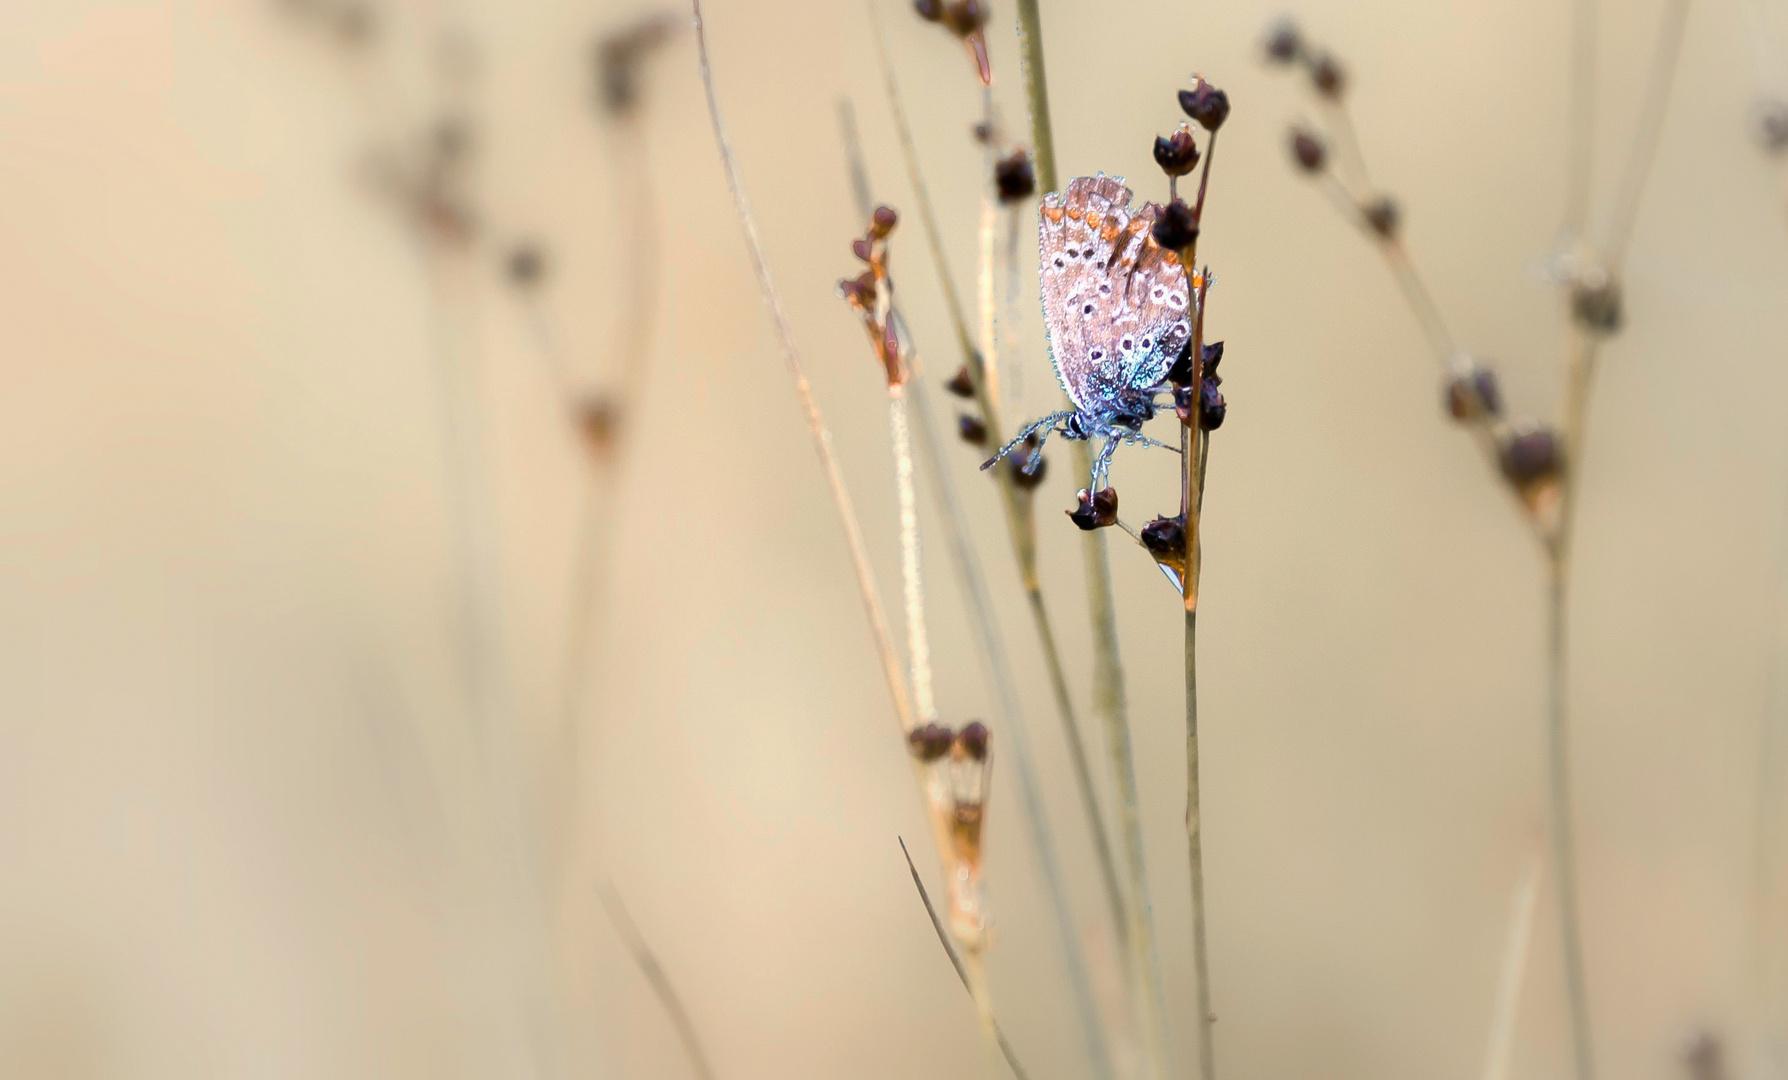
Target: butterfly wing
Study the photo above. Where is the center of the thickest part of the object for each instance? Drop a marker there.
(1115, 303)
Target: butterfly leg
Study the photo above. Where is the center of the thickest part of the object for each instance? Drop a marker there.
(1144, 440)
(1102, 463)
(1046, 424)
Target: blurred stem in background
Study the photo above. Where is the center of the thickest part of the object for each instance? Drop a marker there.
(1108, 674)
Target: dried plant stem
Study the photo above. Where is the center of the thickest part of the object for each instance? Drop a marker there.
(816, 425)
(962, 968)
(1192, 445)
(660, 983)
(1580, 150)
(1514, 966)
(911, 569)
(1661, 78)
(995, 662)
(1020, 524)
(1108, 671)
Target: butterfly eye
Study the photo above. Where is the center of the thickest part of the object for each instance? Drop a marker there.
(1088, 310)
(1097, 354)
(1105, 290)
(1058, 264)
(1145, 343)
(1126, 343)
(1073, 254)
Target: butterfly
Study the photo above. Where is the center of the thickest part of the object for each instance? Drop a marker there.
(1118, 311)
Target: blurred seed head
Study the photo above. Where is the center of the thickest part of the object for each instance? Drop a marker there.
(972, 740)
(1096, 510)
(1705, 1057)
(1531, 458)
(1205, 104)
(1771, 120)
(961, 384)
(526, 265)
(972, 429)
(1326, 76)
(599, 420)
(1283, 42)
(1307, 149)
(930, 741)
(1596, 300)
(1165, 539)
(1015, 177)
(1382, 216)
(1177, 154)
(620, 58)
(1473, 395)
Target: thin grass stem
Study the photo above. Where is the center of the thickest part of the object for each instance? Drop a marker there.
(1109, 699)
(1660, 79)
(911, 568)
(1514, 966)
(995, 662)
(659, 981)
(1020, 524)
(1580, 132)
(822, 437)
(961, 966)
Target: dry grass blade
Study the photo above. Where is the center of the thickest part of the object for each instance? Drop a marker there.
(1514, 966)
(1659, 81)
(822, 438)
(659, 981)
(1019, 522)
(956, 961)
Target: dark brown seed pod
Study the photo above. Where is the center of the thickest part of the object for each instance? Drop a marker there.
(882, 222)
(929, 10)
(960, 384)
(930, 742)
(1283, 42)
(1307, 149)
(1205, 104)
(972, 429)
(1175, 227)
(1595, 301)
(1531, 457)
(1096, 510)
(1772, 125)
(1326, 76)
(526, 265)
(1382, 216)
(1015, 177)
(1165, 537)
(973, 739)
(1474, 395)
(1177, 154)
(1211, 406)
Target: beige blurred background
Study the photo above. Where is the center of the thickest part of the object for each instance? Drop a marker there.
(249, 825)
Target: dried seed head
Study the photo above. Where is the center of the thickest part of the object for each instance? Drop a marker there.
(1595, 301)
(1211, 406)
(1176, 227)
(930, 741)
(527, 265)
(1096, 510)
(1772, 124)
(1308, 150)
(882, 222)
(929, 10)
(355, 24)
(972, 429)
(1283, 42)
(1326, 76)
(1705, 1057)
(1382, 216)
(965, 17)
(1165, 539)
(972, 740)
(1472, 395)
(599, 419)
(1177, 154)
(1015, 177)
(620, 57)
(961, 384)
(1531, 458)
(1205, 104)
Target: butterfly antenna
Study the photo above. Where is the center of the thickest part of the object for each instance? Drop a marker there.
(1018, 440)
